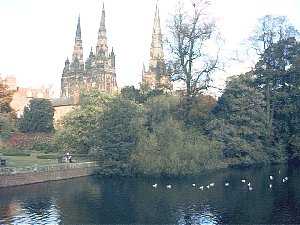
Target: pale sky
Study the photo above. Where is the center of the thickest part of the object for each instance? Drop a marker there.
(36, 36)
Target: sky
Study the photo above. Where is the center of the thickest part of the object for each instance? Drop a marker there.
(36, 36)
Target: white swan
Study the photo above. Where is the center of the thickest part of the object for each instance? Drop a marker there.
(201, 188)
(250, 188)
(212, 184)
(226, 184)
(194, 185)
(270, 185)
(243, 181)
(249, 184)
(271, 177)
(169, 186)
(154, 185)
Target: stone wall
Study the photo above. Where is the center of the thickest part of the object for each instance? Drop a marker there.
(11, 177)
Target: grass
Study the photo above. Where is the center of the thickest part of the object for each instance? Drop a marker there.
(24, 161)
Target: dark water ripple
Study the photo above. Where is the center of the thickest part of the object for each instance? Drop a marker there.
(126, 201)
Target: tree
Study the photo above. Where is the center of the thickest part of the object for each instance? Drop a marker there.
(78, 128)
(37, 117)
(5, 99)
(188, 39)
(240, 122)
(273, 41)
(131, 93)
(7, 115)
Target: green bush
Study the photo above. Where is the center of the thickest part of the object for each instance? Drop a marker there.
(8, 152)
(48, 156)
(172, 150)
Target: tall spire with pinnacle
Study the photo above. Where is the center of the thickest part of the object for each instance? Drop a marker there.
(78, 50)
(102, 47)
(156, 51)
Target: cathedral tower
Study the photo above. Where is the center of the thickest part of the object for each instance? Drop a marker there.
(98, 71)
(156, 77)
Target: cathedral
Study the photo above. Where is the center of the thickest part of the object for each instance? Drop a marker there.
(156, 77)
(97, 72)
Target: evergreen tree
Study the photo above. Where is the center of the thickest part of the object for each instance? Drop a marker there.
(37, 117)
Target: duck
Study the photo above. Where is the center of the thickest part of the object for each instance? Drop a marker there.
(154, 185)
(169, 186)
(226, 184)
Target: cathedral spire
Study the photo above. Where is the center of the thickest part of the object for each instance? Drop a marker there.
(78, 50)
(102, 22)
(156, 51)
(78, 30)
(102, 48)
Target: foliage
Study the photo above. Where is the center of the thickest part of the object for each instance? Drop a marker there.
(37, 117)
(240, 122)
(5, 99)
(115, 134)
(171, 150)
(7, 126)
(78, 132)
(195, 111)
(14, 152)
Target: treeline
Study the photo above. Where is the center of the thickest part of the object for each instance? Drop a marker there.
(256, 120)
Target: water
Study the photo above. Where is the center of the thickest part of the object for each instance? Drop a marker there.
(93, 200)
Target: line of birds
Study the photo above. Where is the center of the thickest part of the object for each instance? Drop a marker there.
(169, 186)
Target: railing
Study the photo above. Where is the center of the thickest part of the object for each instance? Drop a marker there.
(46, 168)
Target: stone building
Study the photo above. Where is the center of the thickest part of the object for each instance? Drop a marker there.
(22, 95)
(97, 72)
(156, 77)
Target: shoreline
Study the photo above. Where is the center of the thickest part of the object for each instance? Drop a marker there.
(41, 174)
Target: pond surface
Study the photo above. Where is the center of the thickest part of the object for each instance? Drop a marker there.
(92, 200)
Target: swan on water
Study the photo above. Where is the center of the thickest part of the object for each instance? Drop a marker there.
(212, 184)
(207, 186)
(201, 188)
(243, 181)
(169, 186)
(154, 185)
(194, 185)
(270, 186)
(250, 188)
(271, 177)
(226, 184)
(249, 184)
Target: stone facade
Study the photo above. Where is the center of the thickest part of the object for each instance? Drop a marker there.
(156, 77)
(22, 96)
(97, 72)
(63, 106)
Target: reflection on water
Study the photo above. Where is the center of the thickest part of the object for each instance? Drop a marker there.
(114, 201)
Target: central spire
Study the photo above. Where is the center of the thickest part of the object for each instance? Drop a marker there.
(78, 30)
(78, 50)
(102, 48)
(156, 51)
(102, 22)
